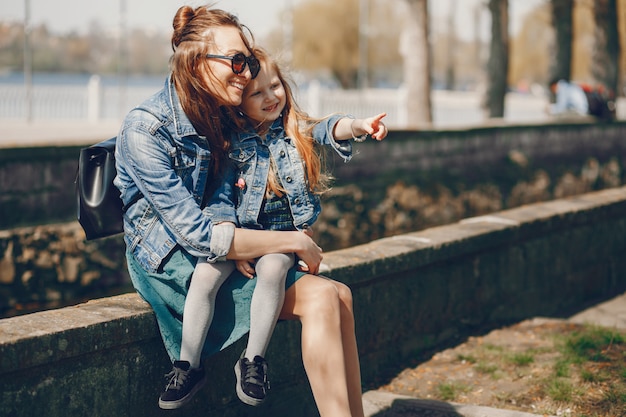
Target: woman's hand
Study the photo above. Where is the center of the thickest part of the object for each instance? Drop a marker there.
(309, 253)
(245, 267)
(250, 244)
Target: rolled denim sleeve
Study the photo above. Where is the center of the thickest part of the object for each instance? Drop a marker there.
(221, 241)
(221, 210)
(221, 205)
(323, 134)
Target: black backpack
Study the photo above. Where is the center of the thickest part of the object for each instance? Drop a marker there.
(99, 206)
(601, 104)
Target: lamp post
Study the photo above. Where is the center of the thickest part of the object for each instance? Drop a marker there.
(28, 63)
(122, 60)
(288, 33)
(363, 43)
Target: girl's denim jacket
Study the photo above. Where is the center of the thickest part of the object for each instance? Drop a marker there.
(250, 156)
(160, 157)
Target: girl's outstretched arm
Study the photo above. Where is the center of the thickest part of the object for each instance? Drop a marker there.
(347, 127)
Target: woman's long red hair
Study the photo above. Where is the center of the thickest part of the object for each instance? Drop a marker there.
(191, 41)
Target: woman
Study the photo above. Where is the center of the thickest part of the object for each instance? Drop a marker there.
(169, 153)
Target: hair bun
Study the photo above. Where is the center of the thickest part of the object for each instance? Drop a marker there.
(181, 20)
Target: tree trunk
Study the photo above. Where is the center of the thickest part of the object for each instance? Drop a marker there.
(605, 64)
(498, 64)
(415, 49)
(562, 21)
(450, 64)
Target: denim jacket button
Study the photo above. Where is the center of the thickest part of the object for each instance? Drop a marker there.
(282, 154)
(288, 179)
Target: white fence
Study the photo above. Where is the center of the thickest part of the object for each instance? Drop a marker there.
(70, 102)
(97, 103)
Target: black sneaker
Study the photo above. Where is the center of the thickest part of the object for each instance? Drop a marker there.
(252, 383)
(183, 383)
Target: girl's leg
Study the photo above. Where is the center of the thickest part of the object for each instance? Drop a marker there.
(187, 376)
(267, 300)
(329, 349)
(199, 307)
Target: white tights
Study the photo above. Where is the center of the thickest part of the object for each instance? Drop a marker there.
(267, 301)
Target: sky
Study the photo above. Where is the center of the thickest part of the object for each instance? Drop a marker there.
(261, 16)
(67, 15)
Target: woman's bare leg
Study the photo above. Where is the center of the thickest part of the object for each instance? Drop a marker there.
(350, 350)
(329, 350)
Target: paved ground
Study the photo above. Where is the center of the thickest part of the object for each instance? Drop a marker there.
(611, 313)
(18, 133)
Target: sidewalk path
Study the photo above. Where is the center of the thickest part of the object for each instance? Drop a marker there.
(53, 132)
(610, 313)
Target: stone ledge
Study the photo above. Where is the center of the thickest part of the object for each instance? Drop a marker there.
(49, 336)
(412, 293)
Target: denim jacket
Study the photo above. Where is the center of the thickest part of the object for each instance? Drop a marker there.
(160, 156)
(250, 156)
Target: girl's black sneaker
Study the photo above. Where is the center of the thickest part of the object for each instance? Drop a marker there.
(183, 383)
(252, 383)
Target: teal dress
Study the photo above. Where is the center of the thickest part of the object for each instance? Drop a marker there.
(166, 290)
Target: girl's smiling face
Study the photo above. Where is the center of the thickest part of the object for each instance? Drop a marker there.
(264, 98)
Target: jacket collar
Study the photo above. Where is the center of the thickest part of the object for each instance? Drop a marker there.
(182, 124)
(276, 128)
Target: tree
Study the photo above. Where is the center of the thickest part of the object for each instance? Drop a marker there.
(324, 38)
(498, 63)
(417, 64)
(530, 58)
(606, 55)
(562, 20)
(452, 43)
(327, 37)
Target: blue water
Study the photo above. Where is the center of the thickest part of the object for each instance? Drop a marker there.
(48, 78)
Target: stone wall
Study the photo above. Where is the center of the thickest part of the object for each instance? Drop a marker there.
(37, 183)
(412, 293)
(49, 266)
(409, 182)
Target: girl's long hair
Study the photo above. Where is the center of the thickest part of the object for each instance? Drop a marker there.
(299, 127)
(191, 40)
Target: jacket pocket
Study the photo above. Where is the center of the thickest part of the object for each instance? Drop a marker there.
(242, 156)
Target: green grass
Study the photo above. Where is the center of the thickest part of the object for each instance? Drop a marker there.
(592, 359)
(450, 391)
(487, 368)
(560, 389)
(590, 344)
(467, 358)
(522, 359)
(598, 355)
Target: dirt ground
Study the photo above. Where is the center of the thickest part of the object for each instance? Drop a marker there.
(516, 368)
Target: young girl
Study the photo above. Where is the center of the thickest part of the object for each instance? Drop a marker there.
(277, 169)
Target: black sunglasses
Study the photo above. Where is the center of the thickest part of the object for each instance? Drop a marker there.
(238, 63)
